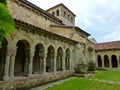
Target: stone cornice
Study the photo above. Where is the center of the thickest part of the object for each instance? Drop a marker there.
(37, 30)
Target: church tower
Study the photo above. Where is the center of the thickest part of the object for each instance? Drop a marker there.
(63, 13)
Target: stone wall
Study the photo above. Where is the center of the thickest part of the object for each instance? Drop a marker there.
(28, 82)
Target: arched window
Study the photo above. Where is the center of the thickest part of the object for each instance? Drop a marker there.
(99, 61)
(114, 61)
(71, 19)
(53, 13)
(57, 12)
(106, 61)
(68, 17)
(64, 14)
(49, 59)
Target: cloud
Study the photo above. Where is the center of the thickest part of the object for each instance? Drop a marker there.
(100, 18)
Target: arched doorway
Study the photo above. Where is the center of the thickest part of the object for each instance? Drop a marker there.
(59, 59)
(114, 61)
(3, 56)
(99, 61)
(106, 61)
(49, 59)
(67, 60)
(38, 59)
(22, 58)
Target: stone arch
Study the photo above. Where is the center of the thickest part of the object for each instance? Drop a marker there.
(99, 61)
(3, 52)
(106, 61)
(38, 58)
(22, 57)
(50, 59)
(57, 13)
(114, 61)
(59, 59)
(67, 59)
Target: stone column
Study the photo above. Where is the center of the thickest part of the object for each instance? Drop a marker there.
(30, 64)
(7, 62)
(96, 61)
(118, 62)
(110, 62)
(44, 63)
(63, 62)
(54, 59)
(12, 61)
(103, 62)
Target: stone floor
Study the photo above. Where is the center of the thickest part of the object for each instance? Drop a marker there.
(51, 84)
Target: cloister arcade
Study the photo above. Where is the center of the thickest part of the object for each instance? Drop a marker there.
(108, 61)
(24, 63)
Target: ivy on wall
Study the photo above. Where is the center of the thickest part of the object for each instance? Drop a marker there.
(7, 25)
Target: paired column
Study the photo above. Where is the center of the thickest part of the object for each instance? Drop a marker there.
(63, 62)
(54, 60)
(12, 61)
(30, 63)
(118, 62)
(44, 63)
(103, 66)
(6, 68)
(110, 62)
(9, 63)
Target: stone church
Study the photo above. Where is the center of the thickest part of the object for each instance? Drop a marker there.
(46, 46)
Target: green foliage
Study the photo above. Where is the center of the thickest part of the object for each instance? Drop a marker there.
(84, 84)
(3, 2)
(108, 75)
(6, 22)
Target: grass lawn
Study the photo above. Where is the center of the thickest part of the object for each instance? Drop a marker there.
(108, 75)
(84, 84)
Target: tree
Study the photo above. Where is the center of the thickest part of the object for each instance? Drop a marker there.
(7, 25)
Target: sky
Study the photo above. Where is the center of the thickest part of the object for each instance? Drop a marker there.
(100, 18)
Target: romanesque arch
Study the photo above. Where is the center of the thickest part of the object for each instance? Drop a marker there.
(3, 55)
(99, 61)
(59, 59)
(38, 59)
(57, 13)
(106, 61)
(50, 59)
(67, 60)
(22, 57)
(114, 61)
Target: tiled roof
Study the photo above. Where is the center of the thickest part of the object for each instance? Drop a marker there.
(107, 46)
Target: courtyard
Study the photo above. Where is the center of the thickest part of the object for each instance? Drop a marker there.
(103, 80)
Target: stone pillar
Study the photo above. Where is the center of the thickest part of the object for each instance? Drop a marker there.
(12, 61)
(41, 64)
(118, 62)
(30, 64)
(96, 59)
(103, 62)
(110, 62)
(54, 59)
(70, 60)
(7, 62)
(44, 63)
(63, 62)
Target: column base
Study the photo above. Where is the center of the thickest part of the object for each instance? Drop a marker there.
(5, 78)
